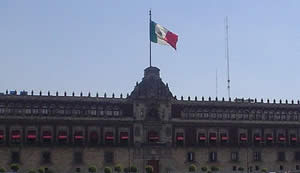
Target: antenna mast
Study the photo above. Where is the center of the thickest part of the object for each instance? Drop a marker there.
(227, 55)
(216, 82)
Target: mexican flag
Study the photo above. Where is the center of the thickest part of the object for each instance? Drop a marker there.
(161, 35)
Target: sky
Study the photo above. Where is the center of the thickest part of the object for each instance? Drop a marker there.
(103, 46)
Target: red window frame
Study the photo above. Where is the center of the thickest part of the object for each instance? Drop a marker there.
(213, 136)
(78, 135)
(16, 134)
(179, 137)
(62, 135)
(31, 134)
(124, 136)
(243, 137)
(153, 136)
(109, 136)
(281, 137)
(1, 134)
(46, 134)
(224, 137)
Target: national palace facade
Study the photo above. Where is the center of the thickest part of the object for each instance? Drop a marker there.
(68, 133)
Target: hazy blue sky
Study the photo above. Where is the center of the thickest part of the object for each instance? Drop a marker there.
(103, 46)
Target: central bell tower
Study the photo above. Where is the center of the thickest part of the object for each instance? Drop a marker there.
(152, 108)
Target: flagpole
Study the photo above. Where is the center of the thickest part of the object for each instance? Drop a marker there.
(150, 35)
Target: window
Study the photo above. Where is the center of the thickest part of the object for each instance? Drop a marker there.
(93, 112)
(78, 137)
(224, 138)
(109, 157)
(202, 138)
(179, 139)
(153, 137)
(109, 112)
(257, 156)
(77, 169)
(297, 156)
(44, 110)
(213, 156)
(15, 157)
(269, 138)
(234, 168)
(256, 167)
(2, 110)
(31, 136)
(293, 139)
(46, 157)
(47, 137)
(35, 111)
(190, 156)
(109, 138)
(62, 137)
(297, 167)
(234, 156)
(243, 137)
(124, 138)
(257, 138)
(16, 137)
(116, 113)
(212, 138)
(76, 112)
(281, 167)
(94, 137)
(2, 136)
(28, 111)
(78, 157)
(281, 156)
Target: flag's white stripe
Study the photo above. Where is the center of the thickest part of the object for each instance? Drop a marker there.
(160, 31)
(160, 41)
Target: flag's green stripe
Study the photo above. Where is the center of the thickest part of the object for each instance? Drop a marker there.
(153, 36)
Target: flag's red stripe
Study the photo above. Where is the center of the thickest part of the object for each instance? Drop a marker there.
(172, 39)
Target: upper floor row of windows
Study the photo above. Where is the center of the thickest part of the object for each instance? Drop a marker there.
(61, 110)
(240, 115)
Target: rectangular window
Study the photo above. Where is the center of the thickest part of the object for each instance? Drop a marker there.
(190, 156)
(46, 137)
(35, 111)
(281, 167)
(116, 112)
(28, 111)
(2, 110)
(109, 138)
(124, 138)
(179, 139)
(31, 136)
(257, 156)
(256, 167)
(16, 137)
(93, 137)
(46, 157)
(234, 156)
(78, 137)
(93, 112)
(44, 111)
(281, 156)
(297, 156)
(109, 157)
(297, 167)
(213, 156)
(15, 157)
(2, 136)
(234, 168)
